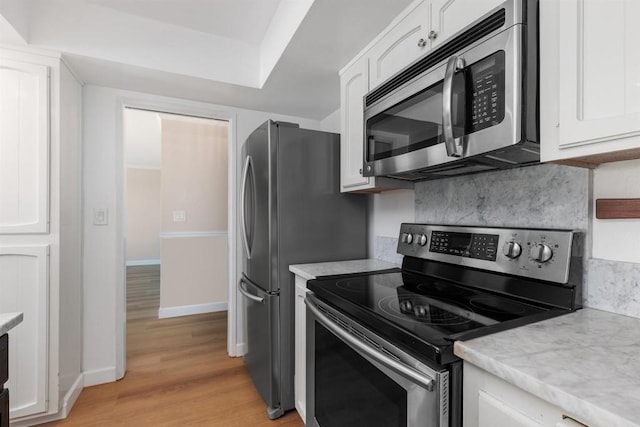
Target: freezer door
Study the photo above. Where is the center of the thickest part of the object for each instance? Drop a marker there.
(263, 351)
(255, 209)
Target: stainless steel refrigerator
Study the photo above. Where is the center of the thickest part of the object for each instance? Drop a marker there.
(292, 212)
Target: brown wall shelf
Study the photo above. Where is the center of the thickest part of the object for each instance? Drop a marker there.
(617, 208)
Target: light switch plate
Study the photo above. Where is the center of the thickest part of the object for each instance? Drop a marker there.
(100, 216)
(179, 216)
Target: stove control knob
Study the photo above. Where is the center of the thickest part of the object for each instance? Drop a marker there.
(422, 240)
(407, 238)
(512, 249)
(540, 252)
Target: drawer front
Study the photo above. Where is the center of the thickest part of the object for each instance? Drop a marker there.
(4, 359)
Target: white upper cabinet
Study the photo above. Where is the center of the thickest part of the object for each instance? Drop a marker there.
(24, 145)
(405, 42)
(590, 80)
(353, 86)
(450, 16)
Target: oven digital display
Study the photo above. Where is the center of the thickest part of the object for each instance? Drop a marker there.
(468, 245)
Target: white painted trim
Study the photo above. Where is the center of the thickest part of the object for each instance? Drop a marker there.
(71, 396)
(144, 167)
(191, 234)
(137, 262)
(99, 376)
(183, 107)
(241, 349)
(187, 310)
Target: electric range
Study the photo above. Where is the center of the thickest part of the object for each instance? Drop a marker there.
(456, 283)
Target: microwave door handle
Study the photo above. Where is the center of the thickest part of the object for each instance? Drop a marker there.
(453, 145)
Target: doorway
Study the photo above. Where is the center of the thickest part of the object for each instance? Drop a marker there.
(177, 222)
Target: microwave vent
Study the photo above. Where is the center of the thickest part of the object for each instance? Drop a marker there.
(472, 35)
(516, 155)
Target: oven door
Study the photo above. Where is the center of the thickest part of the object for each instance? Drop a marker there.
(468, 104)
(355, 378)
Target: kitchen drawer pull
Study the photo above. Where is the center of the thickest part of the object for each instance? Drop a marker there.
(400, 368)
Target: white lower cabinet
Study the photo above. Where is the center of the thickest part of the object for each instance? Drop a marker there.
(24, 286)
(300, 379)
(489, 401)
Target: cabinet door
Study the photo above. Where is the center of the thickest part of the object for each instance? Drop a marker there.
(450, 16)
(24, 288)
(494, 413)
(402, 45)
(24, 145)
(300, 382)
(353, 86)
(589, 55)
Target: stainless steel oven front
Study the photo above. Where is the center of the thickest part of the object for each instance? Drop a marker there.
(357, 378)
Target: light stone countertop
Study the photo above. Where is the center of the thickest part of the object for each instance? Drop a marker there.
(315, 270)
(587, 363)
(8, 321)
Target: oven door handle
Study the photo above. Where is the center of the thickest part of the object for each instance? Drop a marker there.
(400, 368)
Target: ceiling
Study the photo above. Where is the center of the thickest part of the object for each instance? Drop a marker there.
(280, 56)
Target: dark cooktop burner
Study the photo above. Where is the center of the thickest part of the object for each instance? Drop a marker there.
(421, 310)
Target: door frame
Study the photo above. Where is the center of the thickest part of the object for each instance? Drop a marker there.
(185, 108)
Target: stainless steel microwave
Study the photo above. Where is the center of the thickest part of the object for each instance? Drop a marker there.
(471, 105)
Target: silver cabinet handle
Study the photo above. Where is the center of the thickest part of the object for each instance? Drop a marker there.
(400, 368)
(422, 43)
(243, 219)
(453, 145)
(432, 35)
(246, 293)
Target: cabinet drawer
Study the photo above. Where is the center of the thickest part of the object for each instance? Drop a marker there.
(4, 359)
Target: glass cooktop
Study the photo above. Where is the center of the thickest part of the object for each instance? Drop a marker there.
(432, 310)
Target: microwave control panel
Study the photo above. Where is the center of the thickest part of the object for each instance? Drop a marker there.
(486, 78)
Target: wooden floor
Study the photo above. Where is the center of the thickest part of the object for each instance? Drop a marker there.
(178, 372)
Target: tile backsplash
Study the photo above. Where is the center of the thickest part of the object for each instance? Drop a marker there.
(541, 196)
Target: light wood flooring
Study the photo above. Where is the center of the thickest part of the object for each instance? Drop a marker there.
(178, 372)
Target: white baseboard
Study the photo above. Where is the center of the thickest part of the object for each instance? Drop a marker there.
(72, 395)
(99, 376)
(138, 262)
(241, 349)
(68, 401)
(186, 310)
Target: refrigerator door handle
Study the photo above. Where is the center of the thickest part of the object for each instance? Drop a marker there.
(243, 218)
(246, 293)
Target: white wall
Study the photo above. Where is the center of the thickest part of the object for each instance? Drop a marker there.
(616, 239)
(143, 216)
(104, 317)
